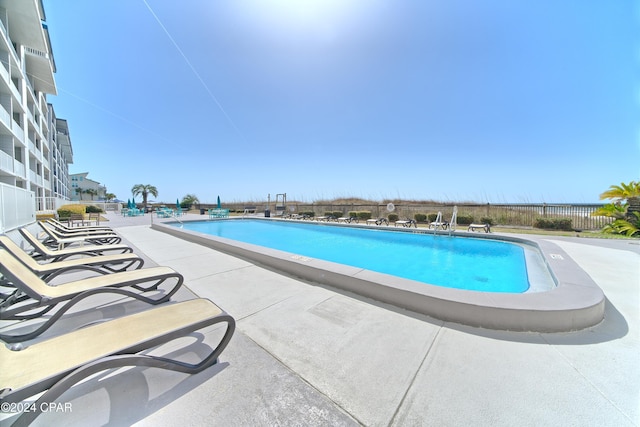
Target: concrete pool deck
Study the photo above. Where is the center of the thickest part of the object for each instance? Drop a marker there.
(307, 354)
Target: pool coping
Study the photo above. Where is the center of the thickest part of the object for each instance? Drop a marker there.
(575, 303)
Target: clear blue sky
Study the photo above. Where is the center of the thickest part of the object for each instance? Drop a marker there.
(462, 100)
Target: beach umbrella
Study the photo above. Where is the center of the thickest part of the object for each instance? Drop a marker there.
(177, 204)
(219, 206)
(128, 203)
(133, 202)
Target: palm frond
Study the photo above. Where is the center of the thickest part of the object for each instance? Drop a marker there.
(622, 191)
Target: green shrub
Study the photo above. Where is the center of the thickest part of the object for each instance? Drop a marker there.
(310, 214)
(353, 214)
(393, 217)
(66, 210)
(465, 219)
(337, 214)
(363, 215)
(420, 217)
(432, 217)
(486, 220)
(553, 224)
(93, 209)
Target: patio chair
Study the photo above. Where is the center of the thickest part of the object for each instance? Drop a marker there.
(43, 252)
(75, 218)
(61, 240)
(348, 219)
(77, 231)
(55, 365)
(78, 228)
(485, 227)
(102, 264)
(326, 218)
(218, 213)
(378, 221)
(32, 297)
(439, 224)
(164, 212)
(406, 223)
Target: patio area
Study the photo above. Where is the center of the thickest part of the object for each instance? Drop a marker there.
(307, 354)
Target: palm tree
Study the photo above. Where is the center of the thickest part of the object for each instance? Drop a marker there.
(190, 199)
(144, 190)
(109, 196)
(625, 210)
(91, 192)
(629, 192)
(79, 192)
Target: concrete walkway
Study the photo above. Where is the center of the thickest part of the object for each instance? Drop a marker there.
(308, 355)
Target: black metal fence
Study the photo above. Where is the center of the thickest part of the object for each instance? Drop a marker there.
(500, 214)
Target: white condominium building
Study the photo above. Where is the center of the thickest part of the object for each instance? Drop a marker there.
(35, 148)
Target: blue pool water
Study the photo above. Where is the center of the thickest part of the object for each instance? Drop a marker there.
(455, 262)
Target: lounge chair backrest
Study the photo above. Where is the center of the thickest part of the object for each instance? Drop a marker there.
(17, 252)
(50, 231)
(22, 277)
(33, 241)
(60, 238)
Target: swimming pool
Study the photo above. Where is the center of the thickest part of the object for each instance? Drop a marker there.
(462, 263)
(561, 296)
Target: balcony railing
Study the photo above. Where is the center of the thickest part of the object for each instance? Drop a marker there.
(6, 162)
(18, 207)
(17, 130)
(18, 168)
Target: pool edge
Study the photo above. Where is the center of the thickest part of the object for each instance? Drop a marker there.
(576, 303)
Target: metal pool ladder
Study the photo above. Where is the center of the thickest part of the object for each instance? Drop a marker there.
(438, 221)
(454, 220)
(175, 216)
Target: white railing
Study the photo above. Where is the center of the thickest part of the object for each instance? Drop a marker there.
(4, 73)
(30, 116)
(36, 52)
(17, 130)
(105, 206)
(17, 207)
(3, 29)
(50, 204)
(19, 168)
(15, 91)
(33, 177)
(4, 116)
(6, 162)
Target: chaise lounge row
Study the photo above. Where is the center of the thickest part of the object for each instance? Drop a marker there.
(30, 304)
